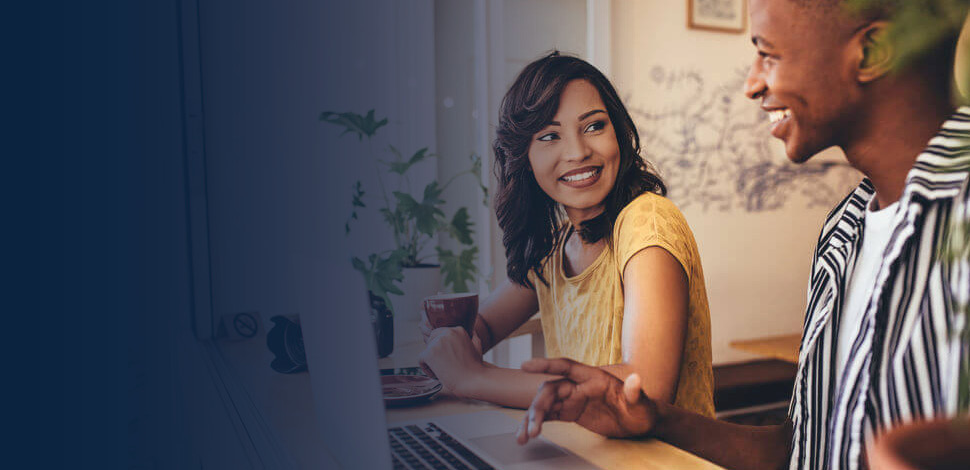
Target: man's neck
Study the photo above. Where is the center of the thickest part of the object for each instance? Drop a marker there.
(899, 120)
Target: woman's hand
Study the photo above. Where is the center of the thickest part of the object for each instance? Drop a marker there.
(589, 396)
(453, 358)
(425, 325)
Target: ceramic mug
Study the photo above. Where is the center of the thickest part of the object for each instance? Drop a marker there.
(447, 310)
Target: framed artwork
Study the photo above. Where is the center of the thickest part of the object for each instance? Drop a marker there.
(717, 15)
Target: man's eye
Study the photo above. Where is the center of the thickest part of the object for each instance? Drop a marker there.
(548, 137)
(596, 126)
(765, 57)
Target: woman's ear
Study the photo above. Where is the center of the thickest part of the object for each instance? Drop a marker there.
(876, 54)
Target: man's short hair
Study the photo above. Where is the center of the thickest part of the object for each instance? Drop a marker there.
(869, 10)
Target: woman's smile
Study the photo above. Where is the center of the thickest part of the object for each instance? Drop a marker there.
(582, 177)
(576, 157)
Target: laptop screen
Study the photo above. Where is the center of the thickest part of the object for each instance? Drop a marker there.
(342, 358)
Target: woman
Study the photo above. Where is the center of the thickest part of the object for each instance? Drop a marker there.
(591, 243)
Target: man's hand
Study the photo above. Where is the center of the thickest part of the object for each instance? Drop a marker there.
(590, 397)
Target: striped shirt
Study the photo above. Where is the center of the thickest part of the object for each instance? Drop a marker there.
(904, 360)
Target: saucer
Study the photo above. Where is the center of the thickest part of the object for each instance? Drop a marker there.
(403, 390)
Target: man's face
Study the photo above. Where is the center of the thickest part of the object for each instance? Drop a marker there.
(803, 76)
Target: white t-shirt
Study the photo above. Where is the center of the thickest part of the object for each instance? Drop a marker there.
(876, 231)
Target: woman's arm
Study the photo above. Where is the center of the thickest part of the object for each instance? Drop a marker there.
(655, 306)
(508, 308)
(654, 328)
(456, 360)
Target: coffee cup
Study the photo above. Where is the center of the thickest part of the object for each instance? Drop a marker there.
(447, 310)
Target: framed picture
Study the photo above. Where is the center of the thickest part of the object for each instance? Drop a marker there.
(717, 15)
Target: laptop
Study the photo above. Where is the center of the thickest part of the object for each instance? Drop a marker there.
(344, 376)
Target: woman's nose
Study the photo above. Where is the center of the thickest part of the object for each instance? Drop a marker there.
(576, 149)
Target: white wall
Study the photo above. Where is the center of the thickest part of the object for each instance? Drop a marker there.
(480, 47)
(755, 216)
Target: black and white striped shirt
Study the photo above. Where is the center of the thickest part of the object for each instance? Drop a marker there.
(904, 361)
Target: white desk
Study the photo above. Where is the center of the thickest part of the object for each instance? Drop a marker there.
(649, 454)
(276, 411)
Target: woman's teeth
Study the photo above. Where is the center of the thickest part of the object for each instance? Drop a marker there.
(580, 176)
(778, 115)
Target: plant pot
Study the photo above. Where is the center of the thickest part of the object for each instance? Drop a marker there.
(382, 319)
(939, 444)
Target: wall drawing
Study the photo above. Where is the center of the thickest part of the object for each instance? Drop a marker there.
(712, 147)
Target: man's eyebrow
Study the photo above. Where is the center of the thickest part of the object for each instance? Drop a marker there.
(756, 40)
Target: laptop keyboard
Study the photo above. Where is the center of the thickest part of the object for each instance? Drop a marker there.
(430, 447)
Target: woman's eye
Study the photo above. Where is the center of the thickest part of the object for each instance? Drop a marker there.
(596, 126)
(548, 137)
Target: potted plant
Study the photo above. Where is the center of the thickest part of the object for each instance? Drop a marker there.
(408, 270)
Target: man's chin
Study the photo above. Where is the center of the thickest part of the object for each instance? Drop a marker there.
(800, 154)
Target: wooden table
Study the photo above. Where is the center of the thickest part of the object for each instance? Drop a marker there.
(646, 454)
(783, 347)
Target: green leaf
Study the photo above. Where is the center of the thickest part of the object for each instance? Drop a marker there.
(477, 171)
(356, 201)
(405, 203)
(401, 166)
(458, 270)
(917, 26)
(358, 196)
(381, 273)
(432, 193)
(354, 123)
(460, 228)
(424, 214)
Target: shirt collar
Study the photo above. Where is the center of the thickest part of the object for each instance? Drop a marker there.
(939, 172)
(941, 169)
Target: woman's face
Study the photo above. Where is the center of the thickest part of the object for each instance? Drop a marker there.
(576, 156)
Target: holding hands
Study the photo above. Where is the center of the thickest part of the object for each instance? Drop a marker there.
(589, 396)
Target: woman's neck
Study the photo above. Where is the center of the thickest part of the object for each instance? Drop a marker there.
(576, 217)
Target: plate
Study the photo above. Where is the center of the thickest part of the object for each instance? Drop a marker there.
(403, 390)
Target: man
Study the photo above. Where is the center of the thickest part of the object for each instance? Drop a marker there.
(878, 345)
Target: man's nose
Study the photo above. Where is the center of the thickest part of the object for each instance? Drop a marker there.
(754, 83)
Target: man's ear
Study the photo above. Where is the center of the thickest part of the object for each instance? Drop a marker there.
(876, 54)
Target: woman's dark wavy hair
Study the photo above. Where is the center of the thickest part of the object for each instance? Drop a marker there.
(531, 221)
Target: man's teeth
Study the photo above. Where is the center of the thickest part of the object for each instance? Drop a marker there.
(580, 176)
(778, 115)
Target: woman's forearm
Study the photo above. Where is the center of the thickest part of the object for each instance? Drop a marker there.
(513, 388)
(484, 332)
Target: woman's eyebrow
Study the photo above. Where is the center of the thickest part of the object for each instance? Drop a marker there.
(581, 117)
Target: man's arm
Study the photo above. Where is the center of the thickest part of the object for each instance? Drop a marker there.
(603, 404)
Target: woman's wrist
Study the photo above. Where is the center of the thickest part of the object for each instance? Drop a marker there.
(483, 330)
(468, 385)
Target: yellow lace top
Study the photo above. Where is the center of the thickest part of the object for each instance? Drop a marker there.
(582, 316)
